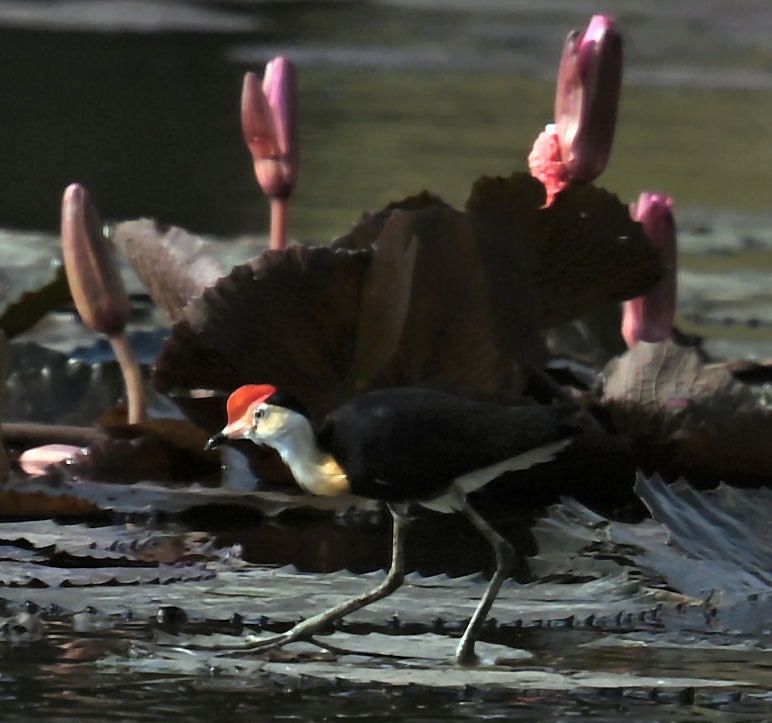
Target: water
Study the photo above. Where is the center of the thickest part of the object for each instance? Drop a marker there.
(396, 97)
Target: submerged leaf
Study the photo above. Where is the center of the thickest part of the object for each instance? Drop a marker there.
(49, 387)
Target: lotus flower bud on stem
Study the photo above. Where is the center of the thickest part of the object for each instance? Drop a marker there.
(587, 97)
(269, 120)
(650, 317)
(97, 288)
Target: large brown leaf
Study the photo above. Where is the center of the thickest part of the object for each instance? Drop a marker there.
(287, 318)
(21, 306)
(426, 315)
(574, 256)
(432, 296)
(367, 230)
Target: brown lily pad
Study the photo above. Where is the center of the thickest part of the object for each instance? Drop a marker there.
(426, 315)
(287, 317)
(368, 229)
(416, 294)
(582, 252)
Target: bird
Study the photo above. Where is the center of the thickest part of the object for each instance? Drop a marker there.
(402, 446)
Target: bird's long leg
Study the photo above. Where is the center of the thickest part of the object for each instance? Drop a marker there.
(505, 557)
(390, 583)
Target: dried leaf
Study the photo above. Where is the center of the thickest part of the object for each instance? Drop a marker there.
(174, 265)
(686, 417)
(672, 378)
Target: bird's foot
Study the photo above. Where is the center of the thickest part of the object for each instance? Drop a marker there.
(296, 633)
(265, 645)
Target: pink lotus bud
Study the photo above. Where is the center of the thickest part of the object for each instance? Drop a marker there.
(270, 125)
(92, 273)
(587, 96)
(545, 164)
(650, 317)
(38, 461)
(97, 289)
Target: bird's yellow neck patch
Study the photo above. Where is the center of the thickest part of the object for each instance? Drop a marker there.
(292, 436)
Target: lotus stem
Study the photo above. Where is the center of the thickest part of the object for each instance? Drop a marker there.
(279, 213)
(132, 377)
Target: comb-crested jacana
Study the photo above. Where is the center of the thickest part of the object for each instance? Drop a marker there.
(400, 445)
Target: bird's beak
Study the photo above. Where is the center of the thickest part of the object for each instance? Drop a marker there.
(236, 430)
(215, 441)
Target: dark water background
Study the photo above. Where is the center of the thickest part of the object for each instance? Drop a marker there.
(139, 101)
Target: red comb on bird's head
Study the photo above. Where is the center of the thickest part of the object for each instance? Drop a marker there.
(244, 397)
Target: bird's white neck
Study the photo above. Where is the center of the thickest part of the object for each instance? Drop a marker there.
(314, 470)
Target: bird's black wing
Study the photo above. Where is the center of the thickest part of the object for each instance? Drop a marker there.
(409, 444)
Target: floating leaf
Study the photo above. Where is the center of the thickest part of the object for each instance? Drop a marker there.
(77, 555)
(31, 306)
(671, 377)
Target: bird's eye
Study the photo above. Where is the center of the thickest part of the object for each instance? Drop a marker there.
(259, 414)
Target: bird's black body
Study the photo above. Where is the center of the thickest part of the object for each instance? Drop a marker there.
(401, 445)
(408, 444)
